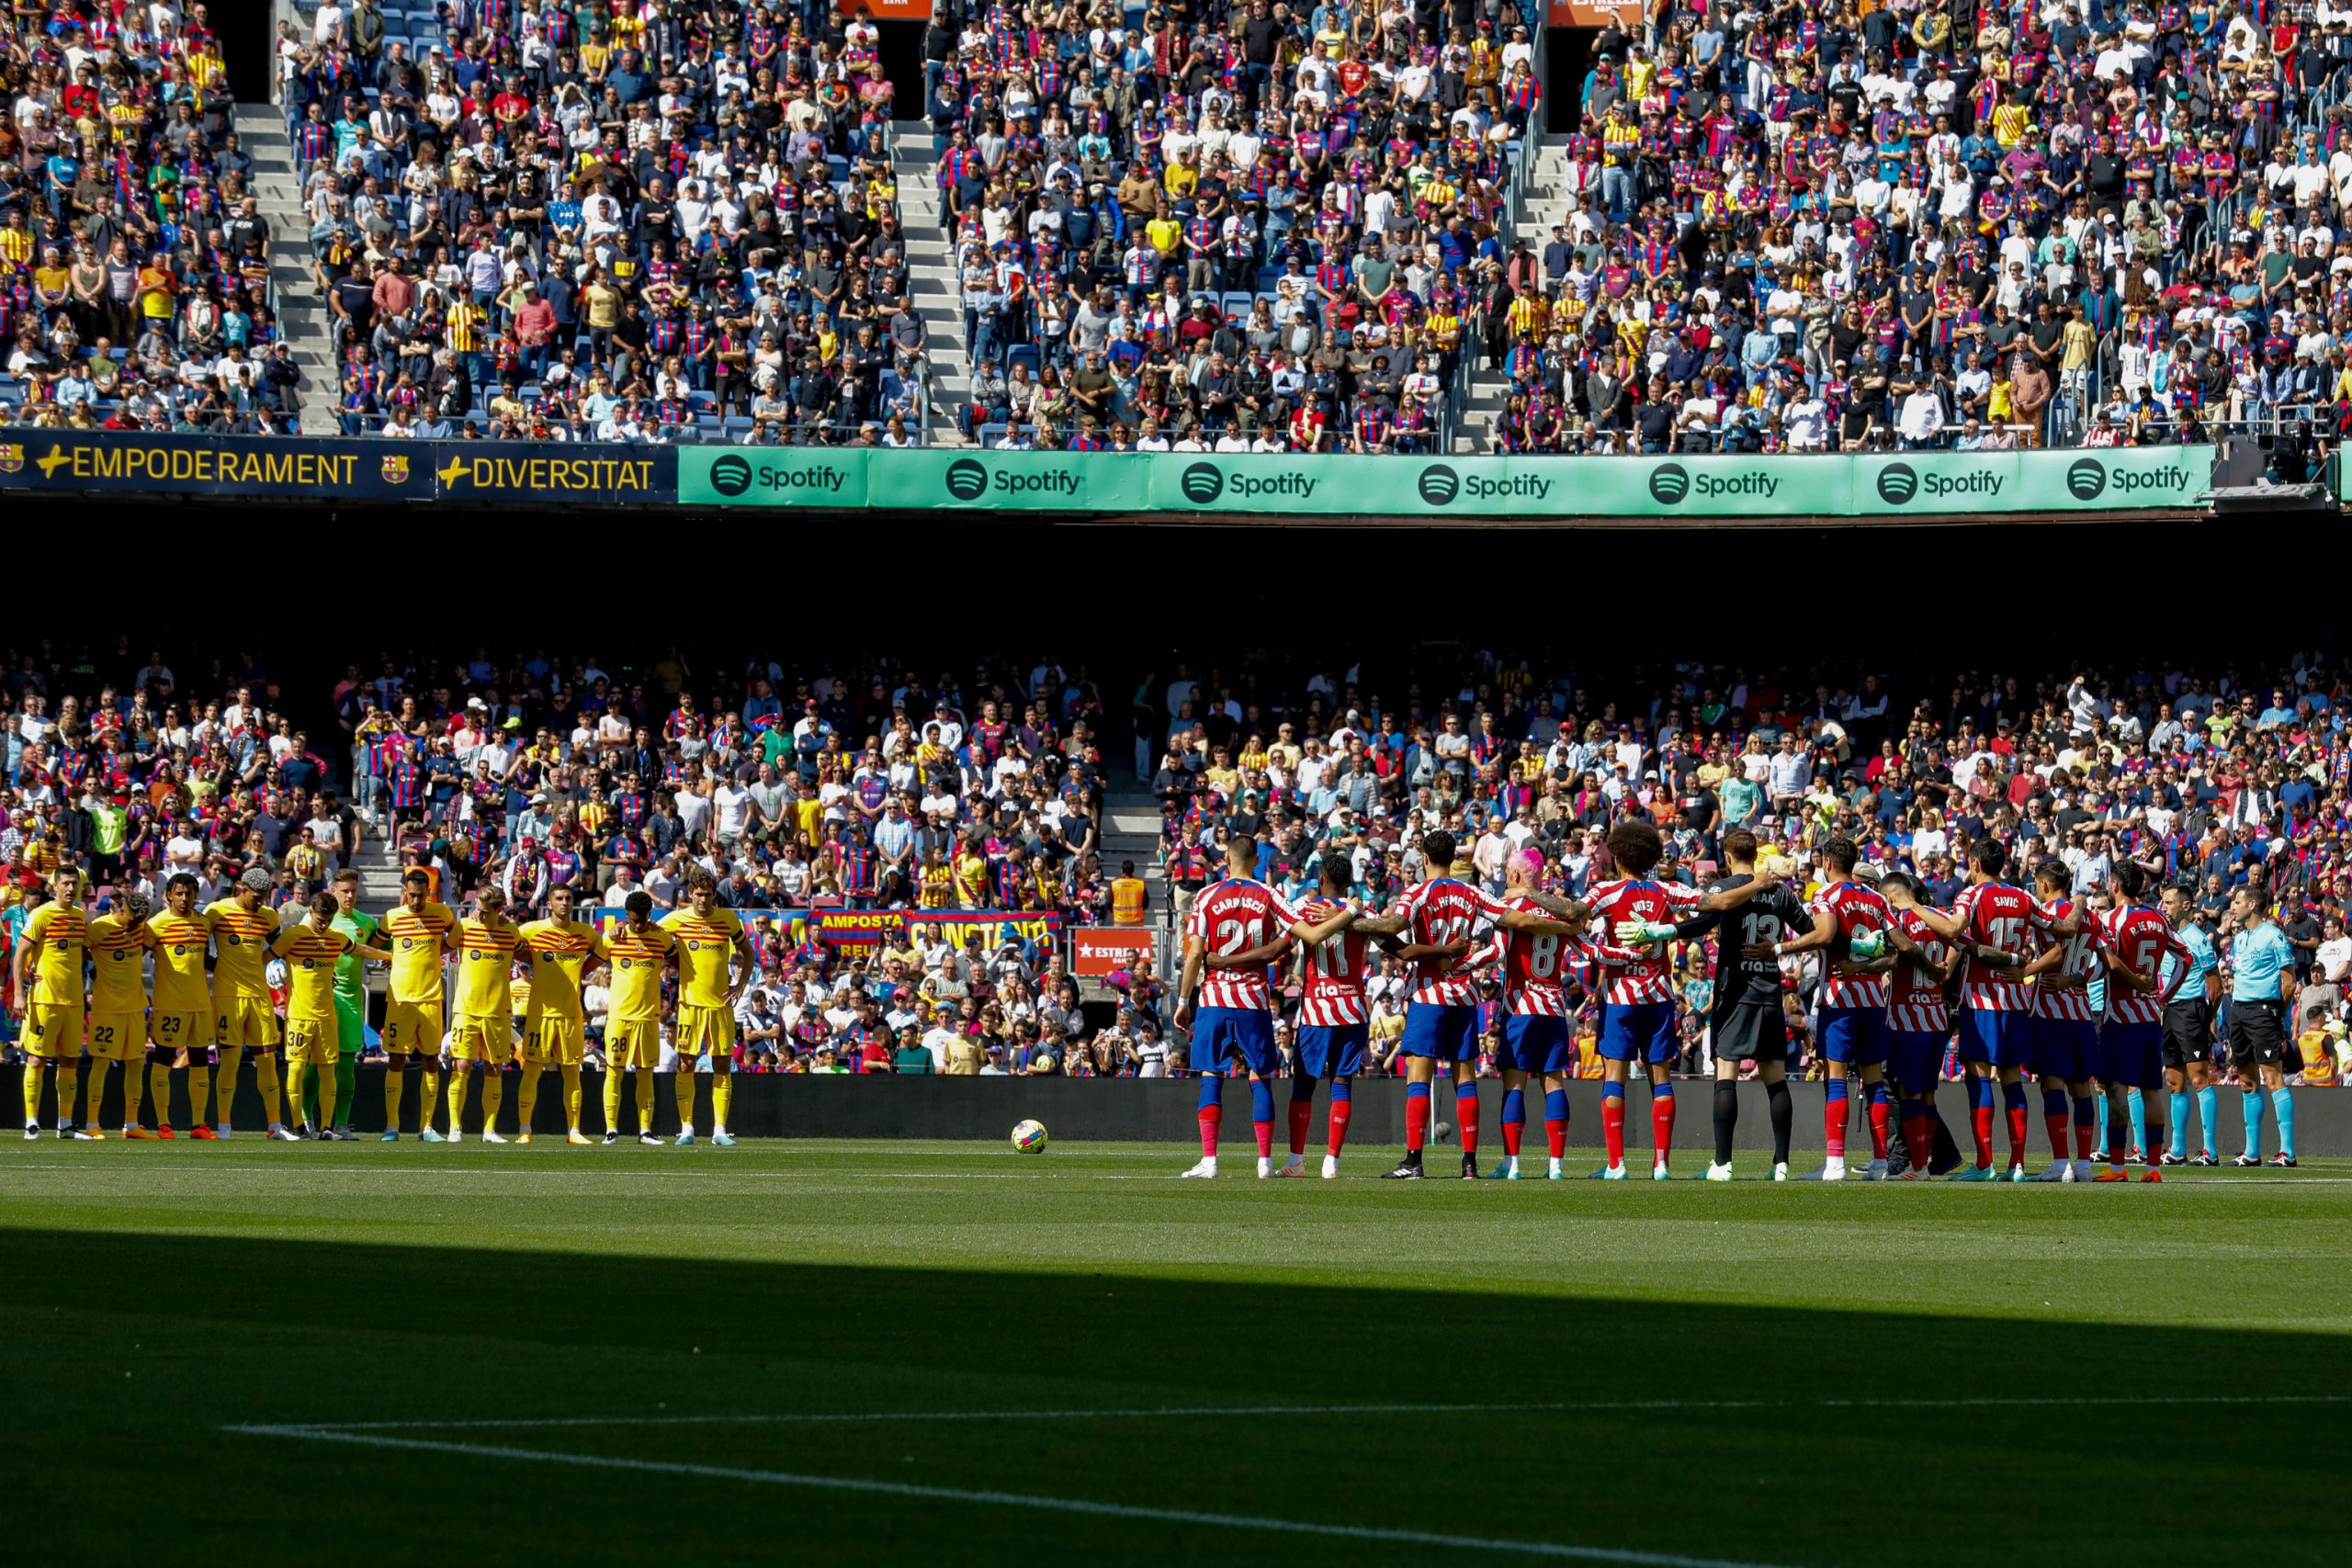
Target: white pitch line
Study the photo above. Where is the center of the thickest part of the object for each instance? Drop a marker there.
(1019, 1500)
(1216, 1411)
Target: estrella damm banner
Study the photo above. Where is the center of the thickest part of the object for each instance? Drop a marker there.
(303, 468)
(296, 468)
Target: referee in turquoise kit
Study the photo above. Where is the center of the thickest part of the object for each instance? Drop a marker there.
(2262, 982)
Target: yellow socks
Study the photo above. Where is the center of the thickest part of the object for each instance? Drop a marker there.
(431, 1099)
(272, 1101)
(159, 1087)
(571, 1095)
(457, 1076)
(395, 1081)
(612, 1098)
(493, 1095)
(32, 1090)
(644, 1100)
(527, 1099)
(94, 1092)
(224, 1083)
(69, 1087)
(685, 1077)
(722, 1098)
(328, 1089)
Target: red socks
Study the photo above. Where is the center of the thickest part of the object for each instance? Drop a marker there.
(1555, 1134)
(1833, 1128)
(1919, 1138)
(2057, 1125)
(1416, 1120)
(1982, 1121)
(1662, 1123)
(1341, 1110)
(2087, 1141)
(1466, 1111)
(1511, 1130)
(1613, 1127)
(1211, 1117)
(1881, 1114)
(2016, 1136)
(1265, 1130)
(1302, 1112)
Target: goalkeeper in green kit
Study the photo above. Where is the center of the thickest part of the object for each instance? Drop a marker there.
(350, 1002)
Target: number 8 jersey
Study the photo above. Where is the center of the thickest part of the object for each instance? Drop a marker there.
(1235, 916)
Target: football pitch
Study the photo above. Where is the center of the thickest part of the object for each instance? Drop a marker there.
(824, 1352)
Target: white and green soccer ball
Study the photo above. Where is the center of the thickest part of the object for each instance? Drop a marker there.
(1029, 1138)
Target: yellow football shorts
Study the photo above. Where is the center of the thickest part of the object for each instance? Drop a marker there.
(117, 1036)
(413, 1028)
(318, 1041)
(54, 1032)
(633, 1042)
(248, 1021)
(474, 1038)
(705, 1031)
(180, 1030)
(552, 1040)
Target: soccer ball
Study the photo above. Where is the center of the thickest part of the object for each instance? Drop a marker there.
(1029, 1138)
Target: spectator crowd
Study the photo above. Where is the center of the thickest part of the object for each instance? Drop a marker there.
(1237, 225)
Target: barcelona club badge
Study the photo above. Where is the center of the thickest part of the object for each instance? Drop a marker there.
(396, 470)
(12, 458)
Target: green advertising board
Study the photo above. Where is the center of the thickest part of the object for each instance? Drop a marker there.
(1566, 489)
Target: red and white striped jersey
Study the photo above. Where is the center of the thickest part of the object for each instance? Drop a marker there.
(1536, 964)
(1853, 909)
(1915, 1004)
(2072, 1003)
(1440, 913)
(1645, 977)
(2005, 919)
(1331, 973)
(2141, 938)
(1235, 916)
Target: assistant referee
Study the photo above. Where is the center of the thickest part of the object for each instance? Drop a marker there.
(2262, 982)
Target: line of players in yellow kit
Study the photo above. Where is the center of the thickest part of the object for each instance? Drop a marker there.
(115, 1019)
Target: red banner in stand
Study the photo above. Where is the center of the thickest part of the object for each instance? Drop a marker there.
(1097, 950)
(891, 11)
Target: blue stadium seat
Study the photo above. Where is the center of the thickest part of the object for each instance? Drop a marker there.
(1022, 354)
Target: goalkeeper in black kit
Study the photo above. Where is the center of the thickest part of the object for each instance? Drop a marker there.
(1745, 1022)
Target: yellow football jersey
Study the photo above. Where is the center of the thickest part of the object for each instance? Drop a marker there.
(63, 932)
(559, 950)
(706, 943)
(416, 941)
(118, 954)
(485, 955)
(239, 951)
(637, 959)
(310, 954)
(178, 942)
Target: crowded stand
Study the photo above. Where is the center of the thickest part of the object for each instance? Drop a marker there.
(134, 260)
(1942, 227)
(1240, 227)
(1245, 227)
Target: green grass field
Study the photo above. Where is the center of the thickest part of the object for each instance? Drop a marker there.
(951, 1353)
